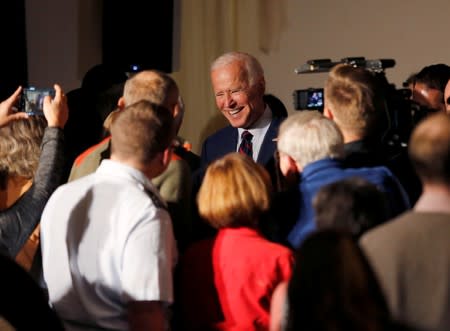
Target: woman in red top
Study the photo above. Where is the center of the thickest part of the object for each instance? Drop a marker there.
(227, 282)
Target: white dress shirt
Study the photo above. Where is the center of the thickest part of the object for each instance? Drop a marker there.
(258, 130)
(105, 243)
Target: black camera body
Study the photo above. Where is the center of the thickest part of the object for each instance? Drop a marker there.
(400, 114)
(309, 99)
(32, 100)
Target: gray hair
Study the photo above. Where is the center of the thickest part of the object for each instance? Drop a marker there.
(250, 63)
(309, 136)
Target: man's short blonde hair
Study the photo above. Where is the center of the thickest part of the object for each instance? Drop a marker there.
(235, 192)
(151, 85)
(141, 131)
(309, 136)
(429, 149)
(355, 98)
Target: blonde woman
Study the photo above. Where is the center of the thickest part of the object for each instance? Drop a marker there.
(227, 282)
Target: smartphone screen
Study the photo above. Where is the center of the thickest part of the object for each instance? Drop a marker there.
(32, 100)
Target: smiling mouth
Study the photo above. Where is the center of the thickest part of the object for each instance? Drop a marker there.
(233, 112)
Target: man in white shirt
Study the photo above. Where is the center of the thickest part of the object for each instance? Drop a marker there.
(107, 242)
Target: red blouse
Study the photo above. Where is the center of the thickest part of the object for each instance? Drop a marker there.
(226, 283)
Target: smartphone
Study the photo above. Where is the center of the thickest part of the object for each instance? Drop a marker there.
(32, 100)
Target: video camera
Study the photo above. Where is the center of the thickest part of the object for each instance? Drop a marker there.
(401, 112)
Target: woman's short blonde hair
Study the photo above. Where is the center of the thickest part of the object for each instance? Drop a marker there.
(20, 146)
(235, 192)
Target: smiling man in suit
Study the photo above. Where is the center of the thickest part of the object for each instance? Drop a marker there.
(238, 83)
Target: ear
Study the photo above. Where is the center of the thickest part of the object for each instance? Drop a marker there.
(298, 167)
(160, 162)
(288, 166)
(263, 85)
(166, 156)
(121, 103)
(327, 112)
(176, 110)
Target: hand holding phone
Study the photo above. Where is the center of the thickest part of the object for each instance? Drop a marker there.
(56, 110)
(32, 100)
(8, 111)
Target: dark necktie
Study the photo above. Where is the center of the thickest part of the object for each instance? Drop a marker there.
(246, 144)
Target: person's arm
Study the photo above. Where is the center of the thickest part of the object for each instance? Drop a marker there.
(278, 307)
(146, 315)
(18, 222)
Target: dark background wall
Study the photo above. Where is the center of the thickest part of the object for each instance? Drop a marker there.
(137, 32)
(67, 38)
(13, 64)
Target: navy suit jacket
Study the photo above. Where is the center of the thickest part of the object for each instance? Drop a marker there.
(221, 143)
(225, 141)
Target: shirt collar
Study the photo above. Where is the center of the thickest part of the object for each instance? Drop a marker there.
(119, 170)
(262, 123)
(313, 167)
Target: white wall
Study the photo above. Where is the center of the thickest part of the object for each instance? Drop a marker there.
(414, 33)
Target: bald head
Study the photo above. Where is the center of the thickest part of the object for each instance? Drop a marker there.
(429, 149)
(151, 85)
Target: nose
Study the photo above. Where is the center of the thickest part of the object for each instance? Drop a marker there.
(228, 99)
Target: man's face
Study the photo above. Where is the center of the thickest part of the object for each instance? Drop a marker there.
(427, 97)
(240, 103)
(447, 97)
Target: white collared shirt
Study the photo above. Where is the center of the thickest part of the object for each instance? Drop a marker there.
(105, 243)
(258, 130)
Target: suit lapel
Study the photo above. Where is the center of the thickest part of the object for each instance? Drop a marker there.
(268, 146)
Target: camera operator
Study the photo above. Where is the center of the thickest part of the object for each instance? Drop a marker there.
(447, 97)
(428, 87)
(354, 100)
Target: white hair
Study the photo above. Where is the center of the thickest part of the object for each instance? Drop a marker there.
(250, 63)
(309, 136)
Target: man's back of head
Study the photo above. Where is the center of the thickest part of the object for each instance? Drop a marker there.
(429, 149)
(141, 131)
(354, 100)
(151, 85)
(309, 136)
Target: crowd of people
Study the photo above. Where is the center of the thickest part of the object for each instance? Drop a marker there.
(300, 221)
